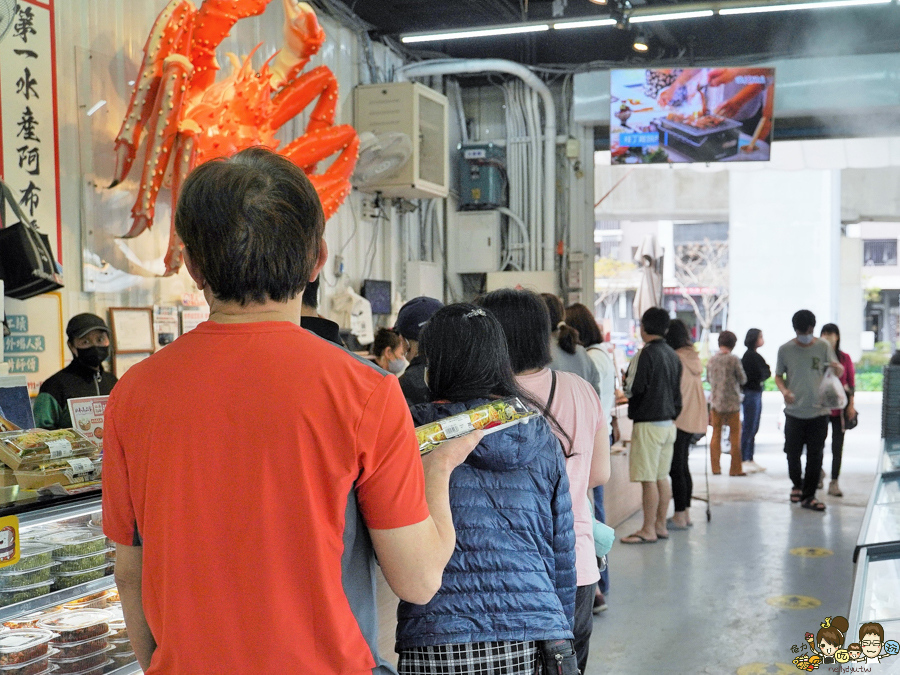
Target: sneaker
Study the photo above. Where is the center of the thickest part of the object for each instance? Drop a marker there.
(821, 479)
(834, 489)
(756, 467)
(599, 603)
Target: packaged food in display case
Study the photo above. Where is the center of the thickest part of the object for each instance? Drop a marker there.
(83, 663)
(23, 645)
(13, 595)
(98, 601)
(490, 418)
(76, 625)
(19, 579)
(31, 555)
(123, 659)
(76, 650)
(72, 471)
(27, 621)
(39, 666)
(20, 449)
(80, 563)
(74, 542)
(69, 579)
(7, 477)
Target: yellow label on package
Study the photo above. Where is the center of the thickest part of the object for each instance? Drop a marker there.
(9, 541)
(489, 418)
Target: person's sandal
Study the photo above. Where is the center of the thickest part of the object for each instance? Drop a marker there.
(795, 496)
(812, 504)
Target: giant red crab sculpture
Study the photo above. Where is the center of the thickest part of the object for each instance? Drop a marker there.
(179, 112)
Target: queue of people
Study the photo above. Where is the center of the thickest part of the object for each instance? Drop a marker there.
(488, 540)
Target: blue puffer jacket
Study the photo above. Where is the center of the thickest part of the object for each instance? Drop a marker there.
(512, 575)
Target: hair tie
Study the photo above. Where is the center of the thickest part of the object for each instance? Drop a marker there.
(474, 313)
(561, 324)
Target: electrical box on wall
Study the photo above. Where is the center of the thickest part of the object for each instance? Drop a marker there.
(424, 278)
(477, 241)
(419, 112)
(482, 171)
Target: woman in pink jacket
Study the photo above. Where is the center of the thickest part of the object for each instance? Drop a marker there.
(693, 420)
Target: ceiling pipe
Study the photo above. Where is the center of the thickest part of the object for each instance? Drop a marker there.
(474, 66)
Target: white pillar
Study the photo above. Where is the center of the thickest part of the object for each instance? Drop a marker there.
(784, 251)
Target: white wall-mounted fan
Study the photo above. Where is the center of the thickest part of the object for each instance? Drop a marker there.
(380, 155)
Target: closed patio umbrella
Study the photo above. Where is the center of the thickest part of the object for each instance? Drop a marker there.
(649, 293)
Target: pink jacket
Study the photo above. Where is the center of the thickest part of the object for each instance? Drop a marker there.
(694, 417)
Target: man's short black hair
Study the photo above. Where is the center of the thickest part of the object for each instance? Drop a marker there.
(803, 321)
(655, 321)
(727, 339)
(252, 225)
(311, 294)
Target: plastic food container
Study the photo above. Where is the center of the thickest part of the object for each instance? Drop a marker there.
(96, 670)
(27, 621)
(36, 575)
(121, 647)
(95, 601)
(75, 542)
(13, 595)
(80, 563)
(76, 625)
(69, 471)
(81, 664)
(27, 448)
(31, 555)
(39, 666)
(77, 650)
(23, 645)
(69, 579)
(123, 659)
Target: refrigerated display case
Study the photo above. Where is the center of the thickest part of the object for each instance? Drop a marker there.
(876, 589)
(66, 532)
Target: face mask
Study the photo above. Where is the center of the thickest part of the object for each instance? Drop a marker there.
(92, 357)
(805, 339)
(397, 366)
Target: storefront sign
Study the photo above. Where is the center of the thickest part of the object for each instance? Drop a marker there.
(35, 346)
(87, 416)
(692, 290)
(29, 134)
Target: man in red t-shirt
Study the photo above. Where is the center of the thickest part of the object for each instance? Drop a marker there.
(238, 458)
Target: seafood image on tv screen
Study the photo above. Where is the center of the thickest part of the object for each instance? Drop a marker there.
(679, 115)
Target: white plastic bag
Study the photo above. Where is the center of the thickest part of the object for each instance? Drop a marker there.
(831, 392)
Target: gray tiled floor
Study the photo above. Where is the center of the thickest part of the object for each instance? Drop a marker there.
(697, 603)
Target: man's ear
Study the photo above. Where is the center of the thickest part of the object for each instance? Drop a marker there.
(320, 260)
(193, 270)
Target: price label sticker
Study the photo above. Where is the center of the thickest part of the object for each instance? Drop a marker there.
(457, 426)
(59, 449)
(78, 467)
(9, 541)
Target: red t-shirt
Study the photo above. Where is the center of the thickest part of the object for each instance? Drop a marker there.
(233, 452)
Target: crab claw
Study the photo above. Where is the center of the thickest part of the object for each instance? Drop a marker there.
(303, 36)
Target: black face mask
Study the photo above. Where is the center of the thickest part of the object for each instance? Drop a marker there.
(92, 357)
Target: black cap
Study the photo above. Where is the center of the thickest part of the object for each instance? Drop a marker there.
(82, 324)
(415, 314)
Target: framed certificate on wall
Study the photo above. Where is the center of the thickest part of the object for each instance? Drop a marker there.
(132, 329)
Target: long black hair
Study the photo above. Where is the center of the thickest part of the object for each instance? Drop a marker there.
(568, 339)
(678, 336)
(752, 338)
(832, 329)
(526, 323)
(467, 358)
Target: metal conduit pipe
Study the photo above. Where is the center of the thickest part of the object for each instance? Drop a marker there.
(464, 66)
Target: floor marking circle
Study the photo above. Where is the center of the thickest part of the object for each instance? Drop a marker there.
(812, 552)
(793, 602)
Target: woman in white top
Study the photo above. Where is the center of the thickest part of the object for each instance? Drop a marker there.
(575, 405)
(566, 352)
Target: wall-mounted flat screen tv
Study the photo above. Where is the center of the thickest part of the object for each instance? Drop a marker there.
(678, 115)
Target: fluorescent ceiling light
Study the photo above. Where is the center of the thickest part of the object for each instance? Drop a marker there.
(480, 32)
(671, 16)
(828, 4)
(584, 24)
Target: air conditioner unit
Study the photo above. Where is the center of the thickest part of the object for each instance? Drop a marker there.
(421, 113)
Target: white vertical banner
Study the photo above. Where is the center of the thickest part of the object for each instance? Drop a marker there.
(29, 134)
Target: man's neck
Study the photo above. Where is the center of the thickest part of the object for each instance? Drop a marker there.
(255, 312)
(722, 350)
(306, 310)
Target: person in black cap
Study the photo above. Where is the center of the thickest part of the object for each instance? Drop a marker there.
(411, 318)
(89, 342)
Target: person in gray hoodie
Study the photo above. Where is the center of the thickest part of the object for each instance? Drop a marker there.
(693, 420)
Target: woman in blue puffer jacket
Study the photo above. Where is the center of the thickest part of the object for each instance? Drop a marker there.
(511, 580)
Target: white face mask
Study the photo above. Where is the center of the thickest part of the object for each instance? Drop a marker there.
(805, 339)
(397, 366)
